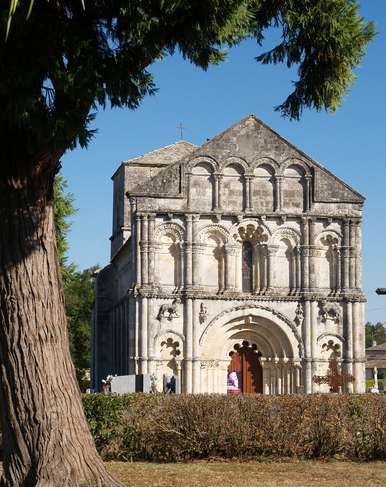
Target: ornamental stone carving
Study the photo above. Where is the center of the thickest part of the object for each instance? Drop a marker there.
(329, 312)
(209, 364)
(203, 314)
(252, 232)
(169, 311)
(299, 315)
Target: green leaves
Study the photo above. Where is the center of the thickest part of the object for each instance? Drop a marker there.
(98, 53)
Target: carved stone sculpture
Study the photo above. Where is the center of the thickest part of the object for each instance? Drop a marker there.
(169, 311)
(299, 315)
(203, 314)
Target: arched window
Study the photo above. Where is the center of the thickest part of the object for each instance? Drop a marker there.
(247, 267)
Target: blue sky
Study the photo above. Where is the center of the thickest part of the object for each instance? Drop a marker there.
(351, 143)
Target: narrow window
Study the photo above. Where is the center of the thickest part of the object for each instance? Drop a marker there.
(246, 270)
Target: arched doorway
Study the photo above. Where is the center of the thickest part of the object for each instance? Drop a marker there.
(245, 374)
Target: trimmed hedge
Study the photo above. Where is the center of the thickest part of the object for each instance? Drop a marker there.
(175, 428)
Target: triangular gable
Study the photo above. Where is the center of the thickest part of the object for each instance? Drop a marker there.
(250, 139)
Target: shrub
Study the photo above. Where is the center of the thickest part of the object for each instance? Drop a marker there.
(185, 427)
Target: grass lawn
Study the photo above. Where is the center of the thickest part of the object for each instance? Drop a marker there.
(235, 474)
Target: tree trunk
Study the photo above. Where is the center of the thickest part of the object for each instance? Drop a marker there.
(46, 437)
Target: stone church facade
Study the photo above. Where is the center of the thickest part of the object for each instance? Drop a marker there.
(242, 254)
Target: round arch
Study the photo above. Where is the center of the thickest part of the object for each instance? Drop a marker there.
(275, 327)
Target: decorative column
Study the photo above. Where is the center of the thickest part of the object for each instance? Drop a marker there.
(349, 344)
(346, 255)
(144, 250)
(313, 338)
(188, 332)
(248, 192)
(230, 278)
(271, 251)
(312, 283)
(195, 253)
(257, 260)
(308, 198)
(151, 250)
(278, 191)
(195, 348)
(143, 336)
(352, 256)
(217, 191)
(307, 348)
(138, 250)
(188, 251)
(304, 255)
(298, 269)
(359, 346)
(358, 261)
(338, 271)
(279, 379)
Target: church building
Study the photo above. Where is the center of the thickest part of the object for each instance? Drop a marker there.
(241, 255)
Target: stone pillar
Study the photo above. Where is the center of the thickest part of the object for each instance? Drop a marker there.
(359, 346)
(188, 251)
(143, 336)
(279, 377)
(278, 193)
(358, 261)
(264, 366)
(257, 259)
(297, 378)
(338, 271)
(270, 264)
(144, 251)
(195, 252)
(349, 344)
(312, 270)
(248, 193)
(151, 250)
(238, 278)
(314, 336)
(308, 198)
(352, 256)
(195, 348)
(298, 269)
(217, 191)
(230, 278)
(346, 255)
(307, 348)
(138, 250)
(188, 332)
(305, 255)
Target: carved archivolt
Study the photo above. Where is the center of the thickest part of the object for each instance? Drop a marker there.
(174, 229)
(272, 311)
(213, 229)
(288, 233)
(250, 230)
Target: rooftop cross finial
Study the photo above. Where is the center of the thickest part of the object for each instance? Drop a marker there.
(181, 127)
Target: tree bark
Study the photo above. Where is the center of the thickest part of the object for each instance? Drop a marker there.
(46, 437)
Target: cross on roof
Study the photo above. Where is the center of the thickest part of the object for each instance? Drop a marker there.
(180, 128)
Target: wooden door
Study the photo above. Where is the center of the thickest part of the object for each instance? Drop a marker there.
(252, 372)
(246, 363)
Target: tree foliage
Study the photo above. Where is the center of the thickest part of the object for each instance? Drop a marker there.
(375, 332)
(65, 60)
